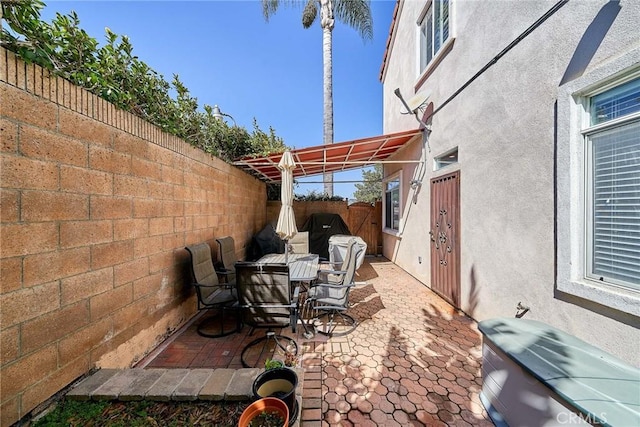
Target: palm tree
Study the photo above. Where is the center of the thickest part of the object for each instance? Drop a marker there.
(354, 13)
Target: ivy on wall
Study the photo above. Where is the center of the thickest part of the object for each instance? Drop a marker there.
(114, 73)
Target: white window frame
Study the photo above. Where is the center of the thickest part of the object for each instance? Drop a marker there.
(591, 134)
(439, 162)
(397, 176)
(572, 195)
(429, 11)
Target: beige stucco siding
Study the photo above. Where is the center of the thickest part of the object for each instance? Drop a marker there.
(504, 124)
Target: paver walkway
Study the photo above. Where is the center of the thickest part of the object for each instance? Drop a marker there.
(412, 360)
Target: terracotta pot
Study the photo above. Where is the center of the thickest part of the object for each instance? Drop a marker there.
(268, 404)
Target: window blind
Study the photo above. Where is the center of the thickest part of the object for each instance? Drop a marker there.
(445, 20)
(392, 204)
(620, 101)
(616, 204)
(434, 31)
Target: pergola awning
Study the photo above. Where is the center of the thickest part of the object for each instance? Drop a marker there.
(332, 158)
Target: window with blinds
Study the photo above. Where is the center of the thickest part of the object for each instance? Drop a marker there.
(613, 180)
(434, 31)
(392, 212)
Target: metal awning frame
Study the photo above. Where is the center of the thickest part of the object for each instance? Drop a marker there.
(342, 156)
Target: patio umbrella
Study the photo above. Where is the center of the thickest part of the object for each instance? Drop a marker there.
(286, 227)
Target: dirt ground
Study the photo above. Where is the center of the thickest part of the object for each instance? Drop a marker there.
(143, 413)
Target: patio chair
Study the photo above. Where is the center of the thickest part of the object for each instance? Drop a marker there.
(212, 295)
(267, 301)
(299, 243)
(228, 259)
(331, 299)
(334, 275)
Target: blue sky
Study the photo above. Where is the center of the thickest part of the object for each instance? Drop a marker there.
(227, 54)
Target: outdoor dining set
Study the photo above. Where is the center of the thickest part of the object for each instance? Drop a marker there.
(278, 290)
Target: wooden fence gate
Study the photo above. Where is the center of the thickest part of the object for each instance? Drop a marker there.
(365, 220)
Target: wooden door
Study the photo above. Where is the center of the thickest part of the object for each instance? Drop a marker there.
(445, 237)
(364, 221)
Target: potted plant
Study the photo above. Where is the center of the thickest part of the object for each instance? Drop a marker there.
(265, 412)
(273, 364)
(280, 383)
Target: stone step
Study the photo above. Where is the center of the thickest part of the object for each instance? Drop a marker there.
(173, 384)
(168, 384)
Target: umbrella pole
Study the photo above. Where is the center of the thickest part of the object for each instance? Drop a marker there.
(286, 251)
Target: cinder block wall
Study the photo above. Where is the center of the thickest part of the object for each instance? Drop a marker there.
(96, 208)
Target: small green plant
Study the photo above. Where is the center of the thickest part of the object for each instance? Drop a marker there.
(267, 419)
(273, 364)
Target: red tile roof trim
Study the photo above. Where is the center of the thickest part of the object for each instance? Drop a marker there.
(392, 30)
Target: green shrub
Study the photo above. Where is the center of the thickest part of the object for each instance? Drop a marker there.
(314, 195)
(114, 73)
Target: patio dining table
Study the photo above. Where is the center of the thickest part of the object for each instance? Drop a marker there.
(302, 267)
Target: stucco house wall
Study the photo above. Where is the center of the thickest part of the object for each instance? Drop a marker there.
(96, 209)
(506, 126)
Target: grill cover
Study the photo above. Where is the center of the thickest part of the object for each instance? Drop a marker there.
(265, 242)
(321, 226)
(338, 248)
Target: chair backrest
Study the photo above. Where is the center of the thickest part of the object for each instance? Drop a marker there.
(300, 242)
(264, 292)
(349, 262)
(202, 271)
(227, 253)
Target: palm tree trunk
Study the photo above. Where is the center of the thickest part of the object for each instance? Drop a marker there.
(327, 22)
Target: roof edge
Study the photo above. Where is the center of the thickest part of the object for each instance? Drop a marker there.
(390, 39)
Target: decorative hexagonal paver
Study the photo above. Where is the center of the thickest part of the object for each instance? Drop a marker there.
(364, 406)
(378, 417)
(343, 406)
(401, 417)
(412, 360)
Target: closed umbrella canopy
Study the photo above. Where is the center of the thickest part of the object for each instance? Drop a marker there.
(286, 227)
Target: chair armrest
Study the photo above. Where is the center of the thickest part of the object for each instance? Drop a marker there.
(337, 272)
(220, 294)
(266, 305)
(224, 276)
(331, 285)
(222, 285)
(201, 285)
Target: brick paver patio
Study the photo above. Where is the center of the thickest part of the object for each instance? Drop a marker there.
(412, 360)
